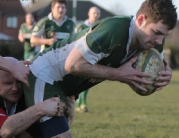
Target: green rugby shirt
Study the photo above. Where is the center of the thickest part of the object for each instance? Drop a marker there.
(47, 25)
(28, 50)
(105, 43)
(83, 25)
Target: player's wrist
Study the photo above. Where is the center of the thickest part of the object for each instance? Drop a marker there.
(39, 109)
(12, 68)
(113, 73)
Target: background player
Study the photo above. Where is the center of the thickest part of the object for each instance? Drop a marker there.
(25, 35)
(94, 14)
(56, 26)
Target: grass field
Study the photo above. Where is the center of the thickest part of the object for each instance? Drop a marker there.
(115, 111)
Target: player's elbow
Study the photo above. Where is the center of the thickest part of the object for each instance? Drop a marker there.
(69, 68)
(72, 68)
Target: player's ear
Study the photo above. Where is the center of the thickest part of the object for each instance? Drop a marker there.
(141, 19)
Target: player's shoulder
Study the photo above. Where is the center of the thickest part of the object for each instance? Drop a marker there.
(42, 21)
(80, 27)
(116, 20)
(70, 20)
(22, 25)
(113, 24)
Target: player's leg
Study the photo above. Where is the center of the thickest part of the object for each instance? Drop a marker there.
(24, 135)
(64, 135)
(56, 127)
(83, 99)
(78, 103)
(40, 91)
(70, 109)
(35, 131)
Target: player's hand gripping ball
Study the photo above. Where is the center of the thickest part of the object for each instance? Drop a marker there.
(149, 61)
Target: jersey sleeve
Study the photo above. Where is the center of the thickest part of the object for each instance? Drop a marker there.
(39, 28)
(78, 28)
(99, 42)
(3, 117)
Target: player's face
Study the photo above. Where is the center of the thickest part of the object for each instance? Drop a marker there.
(94, 14)
(10, 88)
(29, 19)
(152, 34)
(59, 10)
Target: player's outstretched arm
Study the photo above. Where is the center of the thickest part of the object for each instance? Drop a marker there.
(17, 123)
(77, 65)
(164, 76)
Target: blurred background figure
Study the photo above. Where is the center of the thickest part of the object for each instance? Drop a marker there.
(25, 35)
(93, 15)
(55, 26)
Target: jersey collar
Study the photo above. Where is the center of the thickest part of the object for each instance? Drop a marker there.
(50, 16)
(34, 23)
(12, 110)
(87, 23)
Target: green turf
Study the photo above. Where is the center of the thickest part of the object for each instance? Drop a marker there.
(115, 111)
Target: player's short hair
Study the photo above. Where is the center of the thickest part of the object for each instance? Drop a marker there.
(59, 1)
(12, 59)
(28, 14)
(159, 10)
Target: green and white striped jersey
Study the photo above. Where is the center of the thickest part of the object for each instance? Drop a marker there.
(83, 25)
(47, 25)
(106, 43)
(28, 50)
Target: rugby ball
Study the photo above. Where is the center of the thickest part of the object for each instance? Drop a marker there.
(149, 61)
